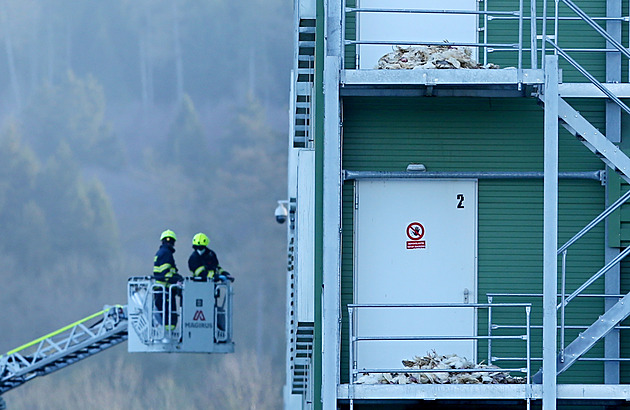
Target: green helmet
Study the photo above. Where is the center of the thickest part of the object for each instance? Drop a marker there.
(168, 234)
(200, 239)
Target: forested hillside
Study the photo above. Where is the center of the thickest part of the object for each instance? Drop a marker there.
(122, 118)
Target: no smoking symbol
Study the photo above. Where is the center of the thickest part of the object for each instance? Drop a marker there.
(415, 231)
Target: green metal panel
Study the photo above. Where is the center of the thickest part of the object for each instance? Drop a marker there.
(456, 134)
(350, 51)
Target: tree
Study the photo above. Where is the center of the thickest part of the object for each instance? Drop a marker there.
(17, 182)
(73, 113)
(186, 142)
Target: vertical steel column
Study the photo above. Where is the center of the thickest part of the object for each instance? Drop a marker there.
(331, 212)
(612, 279)
(550, 233)
(331, 301)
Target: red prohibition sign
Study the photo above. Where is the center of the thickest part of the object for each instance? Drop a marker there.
(415, 231)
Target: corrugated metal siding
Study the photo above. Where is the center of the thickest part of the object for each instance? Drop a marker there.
(350, 51)
(346, 268)
(386, 134)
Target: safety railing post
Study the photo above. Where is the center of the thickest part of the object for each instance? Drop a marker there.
(543, 46)
(351, 345)
(351, 354)
(357, 35)
(528, 362)
(533, 35)
(490, 330)
(555, 32)
(562, 295)
(520, 34)
(485, 31)
(343, 34)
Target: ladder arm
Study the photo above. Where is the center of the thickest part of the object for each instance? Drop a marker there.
(64, 347)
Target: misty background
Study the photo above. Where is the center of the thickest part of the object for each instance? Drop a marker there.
(120, 119)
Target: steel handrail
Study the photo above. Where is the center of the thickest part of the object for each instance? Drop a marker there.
(596, 27)
(487, 16)
(428, 43)
(590, 77)
(559, 327)
(427, 11)
(596, 276)
(354, 338)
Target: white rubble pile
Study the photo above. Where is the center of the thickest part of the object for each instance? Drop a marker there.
(449, 362)
(424, 57)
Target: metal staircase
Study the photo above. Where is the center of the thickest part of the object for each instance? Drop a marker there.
(302, 359)
(304, 83)
(587, 339)
(64, 347)
(618, 161)
(612, 156)
(594, 140)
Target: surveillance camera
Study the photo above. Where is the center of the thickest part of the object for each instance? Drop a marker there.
(281, 214)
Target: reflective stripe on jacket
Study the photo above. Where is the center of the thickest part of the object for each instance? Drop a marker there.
(204, 265)
(164, 268)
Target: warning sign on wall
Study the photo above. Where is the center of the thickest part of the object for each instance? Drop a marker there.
(415, 233)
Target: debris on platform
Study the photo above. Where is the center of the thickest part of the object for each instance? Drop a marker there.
(449, 362)
(426, 57)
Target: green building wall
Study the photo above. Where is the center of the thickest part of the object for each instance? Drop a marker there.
(483, 134)
(454, 134)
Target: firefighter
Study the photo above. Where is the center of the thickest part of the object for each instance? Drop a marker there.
(203, 262)
(204, 265)
(165, 274)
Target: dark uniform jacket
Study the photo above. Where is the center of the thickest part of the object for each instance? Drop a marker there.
(204, 266)
(164, 269)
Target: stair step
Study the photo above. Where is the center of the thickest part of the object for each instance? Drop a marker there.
(593, 139)
(587, 339)
(306, 35)
(307, 24)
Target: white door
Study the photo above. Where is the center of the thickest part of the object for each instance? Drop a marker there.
(460, 28)
(415, 242)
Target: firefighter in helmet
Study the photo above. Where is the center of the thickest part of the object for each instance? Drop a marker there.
(203, 262)
(165, 274)
(204, 265)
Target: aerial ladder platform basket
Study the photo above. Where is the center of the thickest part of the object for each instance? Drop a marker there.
(191, 317)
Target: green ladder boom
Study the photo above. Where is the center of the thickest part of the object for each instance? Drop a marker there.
(63, 347)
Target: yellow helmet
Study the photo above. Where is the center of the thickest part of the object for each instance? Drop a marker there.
(168, 234)
(200, 239)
